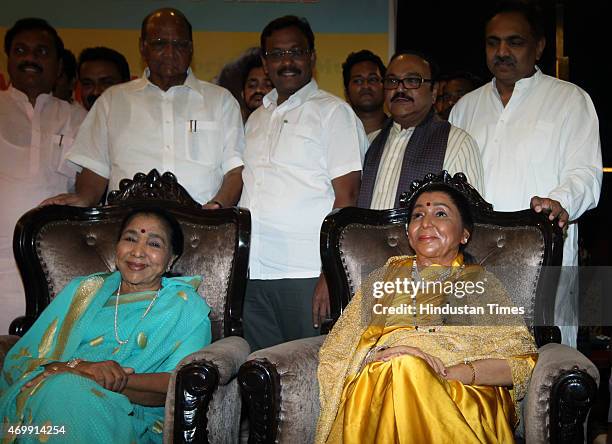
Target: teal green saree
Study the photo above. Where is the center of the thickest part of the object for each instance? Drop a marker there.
(79, 323)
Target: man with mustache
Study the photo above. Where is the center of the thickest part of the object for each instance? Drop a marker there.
(167, 119)
(304, 149)
(35, 131)
(539, 138)
(362, 74)
(414, 141)
(98, 69)
(256, 83)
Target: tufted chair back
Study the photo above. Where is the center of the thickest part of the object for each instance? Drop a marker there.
(514, 246)
(54, 244)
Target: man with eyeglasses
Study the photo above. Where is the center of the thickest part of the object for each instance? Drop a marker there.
(539, 139)
(362, 74)
(35, 130)
(414, 141)
(304, 149)
(168, 120)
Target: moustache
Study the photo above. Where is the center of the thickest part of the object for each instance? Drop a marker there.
(282, 71)
(25, 64)
(257, 96)
(401, 95)
(90, 99)
(503, 60)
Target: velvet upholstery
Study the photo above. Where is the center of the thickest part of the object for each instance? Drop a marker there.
(354, 242)
(53, 244)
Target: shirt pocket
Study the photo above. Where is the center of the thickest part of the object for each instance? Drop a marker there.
(204, 142)
(299, 146)
(60, 144)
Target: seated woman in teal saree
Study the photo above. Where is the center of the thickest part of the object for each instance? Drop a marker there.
(96, 364)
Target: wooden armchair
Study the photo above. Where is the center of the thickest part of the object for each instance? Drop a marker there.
(56, 243)
(280, 385)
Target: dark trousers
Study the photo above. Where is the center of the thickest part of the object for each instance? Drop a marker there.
(277, 311)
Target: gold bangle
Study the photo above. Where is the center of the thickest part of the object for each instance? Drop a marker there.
(471, 365)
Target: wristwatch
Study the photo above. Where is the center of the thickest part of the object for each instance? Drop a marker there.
(74, 362)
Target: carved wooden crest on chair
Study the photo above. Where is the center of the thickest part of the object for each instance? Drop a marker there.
(152, 186)
(459, 182)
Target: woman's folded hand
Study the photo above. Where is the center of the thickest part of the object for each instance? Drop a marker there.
(393, 352)
(109, 374)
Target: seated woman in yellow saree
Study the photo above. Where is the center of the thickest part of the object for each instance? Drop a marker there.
(396, 370)
(96, 364)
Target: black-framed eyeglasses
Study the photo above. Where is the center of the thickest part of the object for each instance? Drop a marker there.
(276, 55)
(410, 82)
(360, 81)
(158, 45)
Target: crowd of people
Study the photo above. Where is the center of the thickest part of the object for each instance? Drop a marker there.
(273, 142)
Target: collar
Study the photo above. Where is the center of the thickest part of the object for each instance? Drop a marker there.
(21, 97)
(295, 99)
(429, 116)
(191, 82)
(523, 84)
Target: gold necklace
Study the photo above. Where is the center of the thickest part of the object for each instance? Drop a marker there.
(125, 341)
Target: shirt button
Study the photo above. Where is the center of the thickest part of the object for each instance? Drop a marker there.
(167, 147)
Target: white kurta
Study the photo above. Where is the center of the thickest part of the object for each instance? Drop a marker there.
(293, 152)
(33, 141)
(193, 130)
(544, 142)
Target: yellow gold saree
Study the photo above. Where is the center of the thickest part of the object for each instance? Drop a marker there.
(403, 400)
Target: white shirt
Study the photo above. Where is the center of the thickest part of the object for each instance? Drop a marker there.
(193, 130)
(461, 155)
(33, 141)
(544, 142)
(293, 151)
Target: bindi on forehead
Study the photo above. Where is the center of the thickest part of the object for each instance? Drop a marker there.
(143, 231)
(428, 204)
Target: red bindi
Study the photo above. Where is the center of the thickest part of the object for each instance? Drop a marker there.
(142, 230)
(428, 204)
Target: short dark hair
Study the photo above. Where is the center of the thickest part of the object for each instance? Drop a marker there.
(108, 55)
(357, 57)
(175, 231)
(288, 21)
(462, 75)
(69, 64)
(251, 61)
(433, 66)
(528, 9)
(30, 24)
(145, 21)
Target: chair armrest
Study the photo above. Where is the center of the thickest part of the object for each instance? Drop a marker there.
(6, 343)
(282, 378)
(561, 392)
(193, 383)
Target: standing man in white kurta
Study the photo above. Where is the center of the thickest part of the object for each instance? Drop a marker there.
(35, 131)
(539, 138)
(304, 149)
(168, 120)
